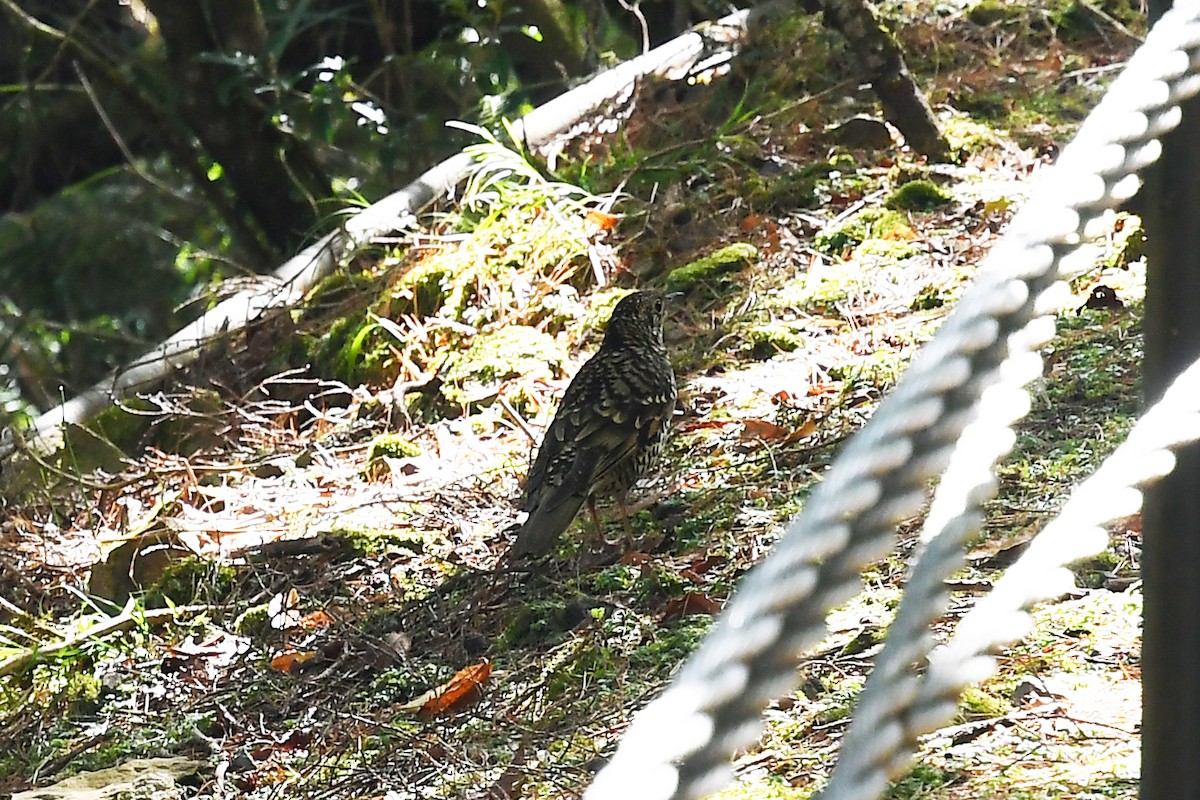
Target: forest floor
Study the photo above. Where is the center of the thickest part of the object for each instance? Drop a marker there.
(273, 579)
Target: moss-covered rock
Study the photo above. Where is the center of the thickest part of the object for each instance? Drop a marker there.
(918, 196)
(384, 449)
(425, 287)
(870, 223)
(191, 580)
(392, 445)
(774, 338)
(989, 12)
(728, 259)
(475, 375)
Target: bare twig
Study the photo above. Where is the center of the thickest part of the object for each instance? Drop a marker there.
(123, 621)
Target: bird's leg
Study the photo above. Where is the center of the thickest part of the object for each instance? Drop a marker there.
(591, 501)
(628, 526)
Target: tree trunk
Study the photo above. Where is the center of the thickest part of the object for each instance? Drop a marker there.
(880, 56)
(273, 176)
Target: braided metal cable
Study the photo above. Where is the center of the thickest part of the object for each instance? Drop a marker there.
(1000, 618)
(680, 745)
(897, 706)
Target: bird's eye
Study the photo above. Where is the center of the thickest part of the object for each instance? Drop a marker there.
(658, 306)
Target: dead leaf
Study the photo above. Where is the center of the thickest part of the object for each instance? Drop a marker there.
(701, 424)
(689, 604)
(825, 387)
(703, 564)
(297, 739)
(1001, 553)
(465, 688)
(763, 429)
(808, 428)
(283, 612)
(315, 619)
(290, 660)
(769, 431)
(899, 233)
(750, 222)
(601, 220)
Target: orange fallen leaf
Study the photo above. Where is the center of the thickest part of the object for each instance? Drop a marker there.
(807, 429)
(751, 221)
(826, 387)
(763, 429)
(703, 564)
(289, 660)
(899, 233)
(316, 619)
(702, 424)
(465, 688)
(689, 604)
(601, 220)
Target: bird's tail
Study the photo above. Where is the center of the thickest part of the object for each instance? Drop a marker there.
(546, 522)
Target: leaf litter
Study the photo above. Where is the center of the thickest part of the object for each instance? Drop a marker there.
(333, 593)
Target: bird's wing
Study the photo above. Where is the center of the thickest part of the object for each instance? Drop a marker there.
(604, 418)
(589, 433)
(625, 415)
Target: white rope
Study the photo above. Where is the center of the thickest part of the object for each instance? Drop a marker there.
(680, 745)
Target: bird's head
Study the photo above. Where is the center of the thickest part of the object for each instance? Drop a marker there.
(636, 320)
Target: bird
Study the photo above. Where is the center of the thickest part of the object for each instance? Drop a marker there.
(608, 430)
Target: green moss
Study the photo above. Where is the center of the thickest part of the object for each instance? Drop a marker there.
(870, 223)
(1093, 572)
(475, 376)
(351, 350)
(363, 541)
(989, 12)
(339, 287)
(383, 449)
(966, 136)
(918, 195)
(896, 249)
(918, 783)
(671, 644)
(1128, 241)
(539, 620)
(125, 424)
(254, 622)
(392, 445)
(425, 287)
(616, 578)
(769, 787)
(600, 308)
(773, 339)
(788, 191)
(85, 451)
(191, 580)
(728, 259)
(203, 427)
(977, 703)
(1074, 21)
(658, 582)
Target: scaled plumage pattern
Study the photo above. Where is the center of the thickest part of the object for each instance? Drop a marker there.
(609, 429)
